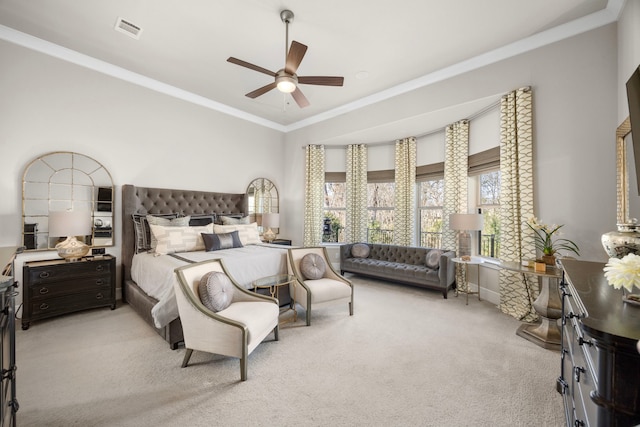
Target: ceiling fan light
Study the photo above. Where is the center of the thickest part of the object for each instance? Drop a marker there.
(286, 84)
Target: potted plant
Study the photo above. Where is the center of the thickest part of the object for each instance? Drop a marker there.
(548, 244)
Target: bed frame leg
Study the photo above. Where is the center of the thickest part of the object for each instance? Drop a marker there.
(187, 356)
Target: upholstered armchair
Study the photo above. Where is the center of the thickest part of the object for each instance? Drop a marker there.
(318, 282)
(243, 320)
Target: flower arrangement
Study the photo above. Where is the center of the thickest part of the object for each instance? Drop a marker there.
(545, 241)
(623, 272)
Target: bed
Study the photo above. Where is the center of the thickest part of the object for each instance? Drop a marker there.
(157, 305)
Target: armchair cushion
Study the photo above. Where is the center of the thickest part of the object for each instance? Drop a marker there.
(216, 291)
(312, 266)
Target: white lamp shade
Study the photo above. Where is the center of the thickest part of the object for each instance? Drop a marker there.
(270, 220)
(69, 223)
(466, 222)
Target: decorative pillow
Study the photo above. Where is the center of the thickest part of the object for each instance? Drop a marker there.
(182, 221)
(248, 233)
(433, 258)
(198, 220)
(179, 239)
(220, 216)
(312, 266)
(216, 242)
(360, 250)
(143, 232)
(216, 291)
(229, 220)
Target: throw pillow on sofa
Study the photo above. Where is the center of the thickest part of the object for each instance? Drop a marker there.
(360, 250)
(433, 258)
(312, 266)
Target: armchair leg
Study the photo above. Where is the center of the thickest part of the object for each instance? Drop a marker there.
(187, 356)
(350, 309)
(276, 332)
(308, 316)
(243, 368)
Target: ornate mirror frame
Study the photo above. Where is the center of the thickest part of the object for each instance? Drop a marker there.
(66, 180)
(622, 181)
(262, 196)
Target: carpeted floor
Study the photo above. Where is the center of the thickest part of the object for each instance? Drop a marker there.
(406, 358)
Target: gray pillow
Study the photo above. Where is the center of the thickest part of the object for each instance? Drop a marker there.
(216, 291)
(360, 250)
(216, 242)
(433, 258)
(229, 220)
(312, 266)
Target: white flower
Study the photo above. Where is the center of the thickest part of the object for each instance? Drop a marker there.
(623, 272)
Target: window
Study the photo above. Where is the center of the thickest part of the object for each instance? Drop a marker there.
(489, 204)
(335, 211)
(430, 202)
(380, 207)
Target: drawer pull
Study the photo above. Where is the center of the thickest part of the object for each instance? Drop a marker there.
(43, 291)
(576, 373)
(44, 275)
(44, 306)
(99, 296)
(99, 282)
(582, 341)
(100, 268)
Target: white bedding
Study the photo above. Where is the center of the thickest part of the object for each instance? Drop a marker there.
(155, 276)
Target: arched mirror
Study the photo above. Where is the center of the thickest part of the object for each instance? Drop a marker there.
(262, 197)
(64, 181)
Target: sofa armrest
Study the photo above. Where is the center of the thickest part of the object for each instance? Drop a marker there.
(447, 271)
(345, 252)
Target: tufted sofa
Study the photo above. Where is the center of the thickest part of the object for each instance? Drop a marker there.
(424, 267)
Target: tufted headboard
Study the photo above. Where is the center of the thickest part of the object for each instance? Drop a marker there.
(144, 200)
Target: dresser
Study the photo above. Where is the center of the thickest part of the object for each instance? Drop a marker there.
(600, 365)
(56, 287)
(9, 403)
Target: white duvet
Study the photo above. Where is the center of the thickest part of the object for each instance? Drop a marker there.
(155, 275)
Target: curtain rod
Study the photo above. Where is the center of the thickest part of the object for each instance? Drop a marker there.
(473, 116)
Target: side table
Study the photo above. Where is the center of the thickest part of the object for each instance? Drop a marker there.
(548, 305)
(273, 284)
(472, 261)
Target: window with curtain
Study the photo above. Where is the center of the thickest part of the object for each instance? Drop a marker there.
(380, 209)
(430, 201)
(488, 197)
(335, 211)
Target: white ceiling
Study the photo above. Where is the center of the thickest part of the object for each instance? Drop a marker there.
(400, 44)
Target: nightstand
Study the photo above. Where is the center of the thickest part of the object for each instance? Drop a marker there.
(55, 287)
(284, 242)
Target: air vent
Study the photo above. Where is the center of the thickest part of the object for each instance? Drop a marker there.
(128, 28)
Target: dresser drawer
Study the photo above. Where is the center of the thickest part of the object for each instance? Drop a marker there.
(66, 271)
(70, 303)
(47, 290)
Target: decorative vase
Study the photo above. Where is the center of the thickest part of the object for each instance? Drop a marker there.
(622, 242)
(549, 260)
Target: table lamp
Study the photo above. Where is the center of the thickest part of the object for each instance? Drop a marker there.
(70, 224)
(269, 221)
(464, 223)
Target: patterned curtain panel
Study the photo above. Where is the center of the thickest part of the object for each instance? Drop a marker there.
(314, 195)
(405, 195)
(356, 224)
(516, 202)
(456, 160)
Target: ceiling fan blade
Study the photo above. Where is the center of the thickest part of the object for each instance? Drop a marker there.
(321, 80)
(246, 64)
(261, 91)
(300, 99)
(294, 57)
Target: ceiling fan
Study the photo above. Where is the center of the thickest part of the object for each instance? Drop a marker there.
(286, 79)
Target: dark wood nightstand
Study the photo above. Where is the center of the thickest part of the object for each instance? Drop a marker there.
(284, 242)
(55, 287)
